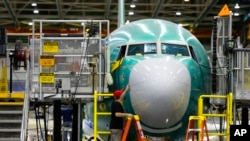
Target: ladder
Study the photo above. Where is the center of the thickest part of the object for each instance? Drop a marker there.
(139, 132)
(202, 127)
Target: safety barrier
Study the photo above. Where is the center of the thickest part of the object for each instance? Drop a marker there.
(227, 115)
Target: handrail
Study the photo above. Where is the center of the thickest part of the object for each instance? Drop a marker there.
(23, 136)
(96, 113)
(75, 55)
(228, 113)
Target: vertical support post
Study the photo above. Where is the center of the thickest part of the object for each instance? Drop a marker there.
(229, 112)
(93, 77)
(95, 115)
(45, 122)
(214, 57)
(231, 109)
(100, 62)
(11, 55)
(75, 122)
(79, 125)
(40, 96)
(200, 113)
(200, 106)
(121, 13)
(244, 116)
(57, 121)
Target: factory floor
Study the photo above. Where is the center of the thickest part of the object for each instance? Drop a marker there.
(32, 130)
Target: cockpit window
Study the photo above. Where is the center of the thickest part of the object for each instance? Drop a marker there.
(142, 49)
(174, 49)
(122, 52)
(150, 48)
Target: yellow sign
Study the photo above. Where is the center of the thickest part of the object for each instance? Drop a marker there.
(224, 11)
(50, 47)
(47, 78)
(46, 60)
(4, 81)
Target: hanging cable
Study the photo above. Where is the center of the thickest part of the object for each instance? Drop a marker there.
(83, 57)
(37, 128)
(45, 123)
(39, 123)
(104, 71)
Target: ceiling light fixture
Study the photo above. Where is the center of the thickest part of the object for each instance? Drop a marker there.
(186, 0)
(132, 6)
(236, 13)
(237, 6)
(30, 23)
(178, 13)
(130, 13)
(36, 11)
(33, 4)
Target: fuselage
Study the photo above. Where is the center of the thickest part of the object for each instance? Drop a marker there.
(167, 69)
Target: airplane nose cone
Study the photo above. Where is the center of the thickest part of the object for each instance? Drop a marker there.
(159, 91)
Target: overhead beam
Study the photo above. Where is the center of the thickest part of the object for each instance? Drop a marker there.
(209, 5)
(24, 6)
(11, 13)
(157, 8)
(114, 17)
(70, 7)
(59, 8)
(108, 6)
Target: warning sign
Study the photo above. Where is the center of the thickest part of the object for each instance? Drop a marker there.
(224, 11)
(47, 78)
(3, 86)
(50, 47)
(46, 60)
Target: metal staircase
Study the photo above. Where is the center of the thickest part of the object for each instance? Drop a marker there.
(14, 108)
(11, 114)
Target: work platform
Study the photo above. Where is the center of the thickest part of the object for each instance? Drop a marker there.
(65, 67)
(68, 65)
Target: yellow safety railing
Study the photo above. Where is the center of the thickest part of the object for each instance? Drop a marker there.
(17, 95)
(4, 80)
(227, 115)
(96, 113)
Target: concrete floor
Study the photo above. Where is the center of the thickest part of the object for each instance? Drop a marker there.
(32, 129)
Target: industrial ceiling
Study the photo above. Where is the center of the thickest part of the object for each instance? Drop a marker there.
(195, 14)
